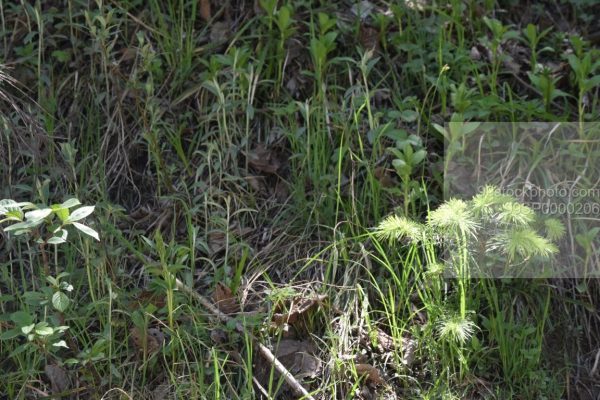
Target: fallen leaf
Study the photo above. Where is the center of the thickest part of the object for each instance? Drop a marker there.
(220, 32)
(368, 37)
(151, 297)
(409, 347)
(58, 377)
(217, 240)
(475, 54)
(263, 160)
(298, 357)
(163, 391)
(205, 13)
(385, 343)
(371, 373)
(149, 341)
(281, 191)
(384, 177)
(225, 300)
(297, 308)
(219, 336)
(254, 182)
(382, 340)
(128, 54)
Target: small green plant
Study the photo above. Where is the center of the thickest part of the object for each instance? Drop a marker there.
(491, 224)
(500, 34)
(533, 38)
(45, 226)
(546, 84)
(584, 70)
(321, 45)
(455, 136)
(408, 154)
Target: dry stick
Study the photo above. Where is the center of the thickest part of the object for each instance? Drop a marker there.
(266, 353)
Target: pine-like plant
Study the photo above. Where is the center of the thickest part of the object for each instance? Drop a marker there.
(491, 235)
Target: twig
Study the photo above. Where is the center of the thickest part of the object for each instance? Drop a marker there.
(266, 353)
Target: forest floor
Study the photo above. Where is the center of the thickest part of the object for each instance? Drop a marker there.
(239, 163)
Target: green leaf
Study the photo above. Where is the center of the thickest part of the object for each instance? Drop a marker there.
(7, 205)
(396, 134)
(70, 203)
(61, 55)
(21, 349)
(21, 318)
(21, 226)
(469, 127)
(80, 213)
(33, 298)
(409, 115)
(284, 17)
(399, 164)
(419, 156)
(60, 343)
(44, 330)
(574, 63)
(87, 230)
(531, 34)
(60, 301)
(6, 298)
(61, 213)
(26, 329)
(52, 280)
(37, 215)
(13, 215)
(59, 238)
(441, 130)
(10, 334)
(591, 83)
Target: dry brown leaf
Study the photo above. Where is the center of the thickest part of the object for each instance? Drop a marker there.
(205, 13)
(225, 300)
(150, 297)
(384, 341)
(219, 336)
(281, 191)
(371, 373)
(255, 182)
(220, 32)
(58, 377)
(217, 240)
(384, 177)
(385, 344)
(263, 160)
(149, 341)
(409, 347)
(128, 54)
(163, 391)
(297, 308)
(298, 357)
(368, 37)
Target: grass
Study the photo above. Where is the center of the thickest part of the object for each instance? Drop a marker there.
(256, 155)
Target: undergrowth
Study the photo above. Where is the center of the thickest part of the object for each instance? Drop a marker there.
(286, 161)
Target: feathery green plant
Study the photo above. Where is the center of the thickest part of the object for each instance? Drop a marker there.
(490, 224)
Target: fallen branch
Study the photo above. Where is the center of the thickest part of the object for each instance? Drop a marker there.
(266, 353)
